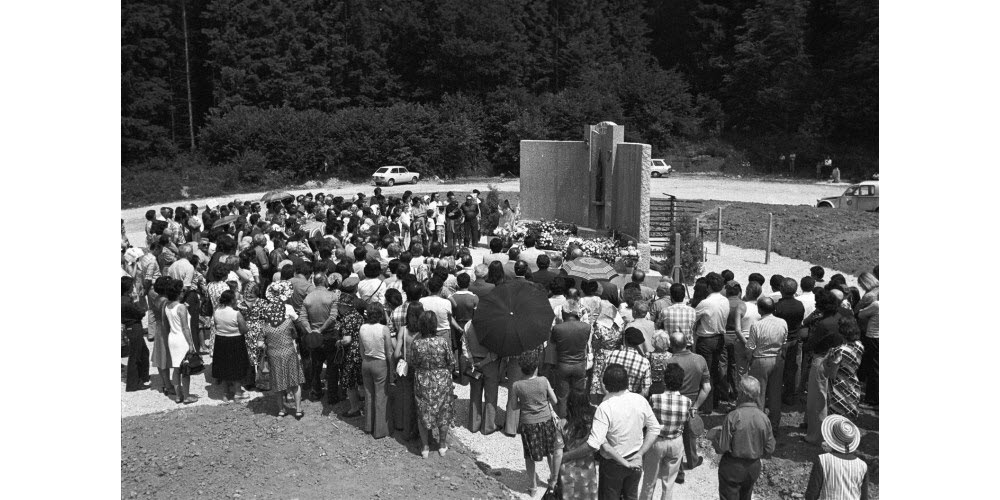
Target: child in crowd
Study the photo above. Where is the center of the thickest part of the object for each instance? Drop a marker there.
(534, 398)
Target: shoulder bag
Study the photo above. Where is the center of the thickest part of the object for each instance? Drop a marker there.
(402, 366)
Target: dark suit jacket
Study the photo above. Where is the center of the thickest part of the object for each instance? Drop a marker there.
(481, 288)
(543, 277)
(610, 292)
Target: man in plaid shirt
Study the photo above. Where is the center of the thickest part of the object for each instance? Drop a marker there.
(637, 366)
(672, 410)
(678, 316)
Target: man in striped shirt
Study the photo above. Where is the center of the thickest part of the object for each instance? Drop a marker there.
(672, 410)
(764, 344)
(678, 316)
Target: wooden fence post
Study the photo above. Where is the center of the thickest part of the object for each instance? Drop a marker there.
(676, 272)
(718, 235)
(770, 228)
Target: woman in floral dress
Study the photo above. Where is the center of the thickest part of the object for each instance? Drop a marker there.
(845, 390)
(432, 360)
(579, 477)
(350, 327)
(658, 360)
(282, 353)
(251, 307)
(607, 336)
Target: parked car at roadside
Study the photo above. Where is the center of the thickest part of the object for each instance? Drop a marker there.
(858, 197)
(660, 168)
(393, 174)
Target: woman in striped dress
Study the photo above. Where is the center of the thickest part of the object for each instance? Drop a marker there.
(845, 390)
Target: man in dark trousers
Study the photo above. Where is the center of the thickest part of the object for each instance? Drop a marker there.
(470, 232)
(317, 313)
(745, 437)
(570, 340)
(453, 217)
(543, 276)
(792, 311)
(484, 382)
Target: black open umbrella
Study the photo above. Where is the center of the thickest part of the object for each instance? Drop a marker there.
(515, 317)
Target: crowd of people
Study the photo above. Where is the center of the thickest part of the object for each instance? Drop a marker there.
(372, 300)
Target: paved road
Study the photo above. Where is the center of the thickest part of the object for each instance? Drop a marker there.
(689, 187)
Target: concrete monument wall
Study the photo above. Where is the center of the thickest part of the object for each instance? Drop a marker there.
(555, 181)
(600, 183)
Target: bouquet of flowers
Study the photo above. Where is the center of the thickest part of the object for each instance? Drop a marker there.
(601, 248)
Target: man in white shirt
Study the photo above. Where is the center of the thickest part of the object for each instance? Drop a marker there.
(710, 326)
(530, 253)
(807, 298)
(618, 433)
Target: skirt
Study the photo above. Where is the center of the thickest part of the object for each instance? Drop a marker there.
(539, 440)
(229, 358)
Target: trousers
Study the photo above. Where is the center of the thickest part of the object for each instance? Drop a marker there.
(483, 395)
(374, 374)
(450, 225)
(789, 371)
(737, 477)
(615, 482)
(768, 372)
(569, 378)
(816, 400)
(470, 232)
(711, 348)
(513, 415)
(662, 462)
(137, 369)
(313, 364)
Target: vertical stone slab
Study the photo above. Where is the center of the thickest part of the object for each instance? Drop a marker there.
(603, 139)
(553, 185)
(631, 179)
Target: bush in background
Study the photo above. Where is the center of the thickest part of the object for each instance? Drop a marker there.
(692, 248)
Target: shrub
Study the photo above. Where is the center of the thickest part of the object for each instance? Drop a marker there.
(692, 248)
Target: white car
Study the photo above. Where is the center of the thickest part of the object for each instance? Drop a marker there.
(660, 168)
(392, 174)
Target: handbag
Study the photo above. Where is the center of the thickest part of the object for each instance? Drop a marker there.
(192, 364)
(312, 340)
(263, 374)
(402, 366)
(555, 492)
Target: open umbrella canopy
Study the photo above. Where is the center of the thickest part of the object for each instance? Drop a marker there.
(515, 317)
(276, 196)
(589, 268)
(229, 219)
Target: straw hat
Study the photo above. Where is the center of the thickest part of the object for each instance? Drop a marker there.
(841, 434)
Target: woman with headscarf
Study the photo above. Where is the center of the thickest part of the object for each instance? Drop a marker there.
(606, 337)
(279, 340)
(159, 331)
(432, 361)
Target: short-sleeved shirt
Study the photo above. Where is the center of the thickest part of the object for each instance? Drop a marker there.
(441, 307)
(695, 372)
(637, 366)
(792, 311)
(679, 316)
(672, 410)
(711, 315)
(533, 399)
(619, 421)
(746, 433)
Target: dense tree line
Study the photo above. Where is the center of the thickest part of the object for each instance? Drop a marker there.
(323, 87)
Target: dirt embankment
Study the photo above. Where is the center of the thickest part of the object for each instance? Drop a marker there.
(237, 451)
(838, 239)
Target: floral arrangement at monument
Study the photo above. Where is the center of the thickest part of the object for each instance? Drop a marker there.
(629, 255)
(601, 248)
(517, 233)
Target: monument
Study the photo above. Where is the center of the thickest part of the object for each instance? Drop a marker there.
(599, 183)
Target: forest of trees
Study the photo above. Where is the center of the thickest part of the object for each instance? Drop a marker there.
(306, 88)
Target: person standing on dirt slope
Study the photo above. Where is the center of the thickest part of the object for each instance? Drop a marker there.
(697, 387)
(618, 433)
(775, 282)
(764, 345)
(470, 213)
(710, 327)
(746, 436)
(793, 312)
